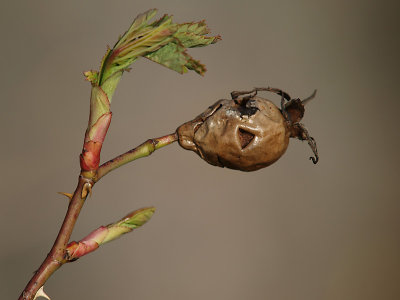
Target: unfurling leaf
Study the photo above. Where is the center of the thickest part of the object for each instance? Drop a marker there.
(136, 218)
(174, 55)
(193, 35)
(171, 56)
(131, 221)
(105, 234)
(161, 41)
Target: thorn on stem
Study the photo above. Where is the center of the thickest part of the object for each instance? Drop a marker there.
(41, 293)
(68, 195)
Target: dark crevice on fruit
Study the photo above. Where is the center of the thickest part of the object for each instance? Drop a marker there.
(247, 108)
(197, 126)
(247, 133)
(215, 109)
(245, 137)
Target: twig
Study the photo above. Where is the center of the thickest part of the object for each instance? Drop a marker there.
(55, 259)
(142, 150)
(58, 254)
(142, 39)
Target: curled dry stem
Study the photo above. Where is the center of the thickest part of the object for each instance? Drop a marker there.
(312, 96)
(305, 136)
(253, 92)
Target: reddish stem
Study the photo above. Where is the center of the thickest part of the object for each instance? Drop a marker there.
(55, 259)
(58, 254)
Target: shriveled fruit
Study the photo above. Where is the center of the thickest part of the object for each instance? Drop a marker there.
(246, 133)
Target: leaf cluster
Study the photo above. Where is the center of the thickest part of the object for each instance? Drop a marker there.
(161, 41)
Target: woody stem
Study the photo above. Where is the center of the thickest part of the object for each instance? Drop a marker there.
(57, 255)
(55, 258)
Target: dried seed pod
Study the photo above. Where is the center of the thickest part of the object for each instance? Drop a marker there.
(246, 133)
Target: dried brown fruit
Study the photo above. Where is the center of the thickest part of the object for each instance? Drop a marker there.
(246, 133)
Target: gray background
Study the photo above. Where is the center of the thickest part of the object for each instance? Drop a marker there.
(290, 231)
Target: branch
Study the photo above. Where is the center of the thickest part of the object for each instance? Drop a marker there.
(61, 252)
(56, 257)
(142, 150)
(161, 41)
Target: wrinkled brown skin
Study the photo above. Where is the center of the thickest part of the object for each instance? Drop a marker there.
(244, 137)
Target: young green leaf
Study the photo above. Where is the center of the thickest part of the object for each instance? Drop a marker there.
(162, 41)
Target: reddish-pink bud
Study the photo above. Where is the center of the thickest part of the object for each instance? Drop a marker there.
(87, 244)
(90, 157)
(76, 250)
(97, 133)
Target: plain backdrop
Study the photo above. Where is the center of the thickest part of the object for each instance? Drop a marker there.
(291, 231)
